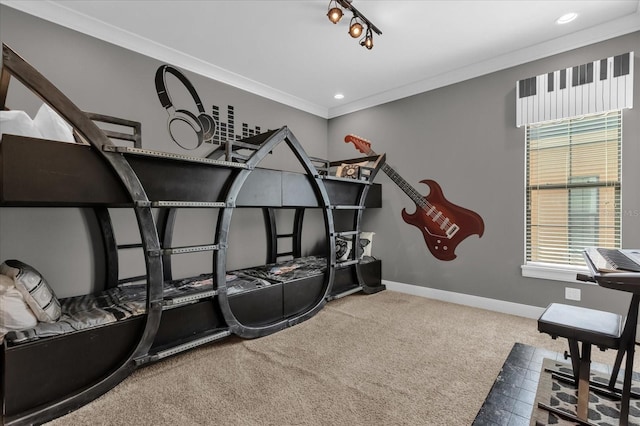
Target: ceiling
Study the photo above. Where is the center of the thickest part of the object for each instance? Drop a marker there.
(290, 52)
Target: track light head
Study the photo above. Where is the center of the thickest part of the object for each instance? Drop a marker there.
(334, 13)
(355, 28)
(367, 41)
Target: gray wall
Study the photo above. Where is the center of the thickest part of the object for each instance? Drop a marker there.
(107, 79)
(464, 137)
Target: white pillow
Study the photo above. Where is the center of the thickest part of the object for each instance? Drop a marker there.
(35, 290)
(15, 314)
(18, 123)
(52, 126)
(366, 241)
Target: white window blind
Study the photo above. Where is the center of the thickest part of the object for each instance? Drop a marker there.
(573, 187)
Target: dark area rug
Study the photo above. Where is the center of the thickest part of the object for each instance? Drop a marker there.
(520, 385)
(511, 398)
(558, 394)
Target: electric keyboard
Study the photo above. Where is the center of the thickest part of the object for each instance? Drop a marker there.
(613, 260)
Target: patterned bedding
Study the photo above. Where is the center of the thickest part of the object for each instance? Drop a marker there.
(129, 300)
(87, 311)
(119, 303)
(289, 270)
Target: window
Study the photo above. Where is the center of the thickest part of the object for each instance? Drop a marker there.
(572, 187)
(583, 216)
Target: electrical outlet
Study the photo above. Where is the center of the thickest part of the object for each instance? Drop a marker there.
(572, 293)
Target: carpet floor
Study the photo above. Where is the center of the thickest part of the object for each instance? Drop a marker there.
(382, 359)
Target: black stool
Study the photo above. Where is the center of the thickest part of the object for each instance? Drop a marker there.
(589, 327)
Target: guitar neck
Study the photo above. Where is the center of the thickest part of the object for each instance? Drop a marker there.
(415, 196)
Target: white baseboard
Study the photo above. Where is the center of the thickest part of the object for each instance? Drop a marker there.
(502, 306)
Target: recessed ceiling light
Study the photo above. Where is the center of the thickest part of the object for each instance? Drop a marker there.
(566, 18)
(338, 96)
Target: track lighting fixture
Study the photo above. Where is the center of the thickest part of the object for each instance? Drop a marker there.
(356, 24)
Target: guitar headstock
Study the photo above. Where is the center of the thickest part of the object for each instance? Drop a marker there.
(361, 144)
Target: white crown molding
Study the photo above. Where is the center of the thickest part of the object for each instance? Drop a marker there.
(71, 19)
(63, 16)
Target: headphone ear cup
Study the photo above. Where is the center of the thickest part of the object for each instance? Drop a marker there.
(192, 121)
(208, 126)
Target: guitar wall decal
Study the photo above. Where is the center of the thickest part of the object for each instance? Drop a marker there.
(443, 224)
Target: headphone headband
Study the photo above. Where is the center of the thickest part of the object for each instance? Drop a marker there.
(163, 93)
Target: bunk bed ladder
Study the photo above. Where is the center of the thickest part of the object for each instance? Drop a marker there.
(165, 224)
(173, 302)
(273, 238)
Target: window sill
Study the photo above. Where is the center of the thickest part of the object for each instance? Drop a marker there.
(549, 271)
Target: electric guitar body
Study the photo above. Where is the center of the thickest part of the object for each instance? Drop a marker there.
(440, 243)
(443, 224)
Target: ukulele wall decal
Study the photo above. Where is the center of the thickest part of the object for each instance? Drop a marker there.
(444, 225)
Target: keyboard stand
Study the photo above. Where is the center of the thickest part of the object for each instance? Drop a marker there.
(629, 282)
